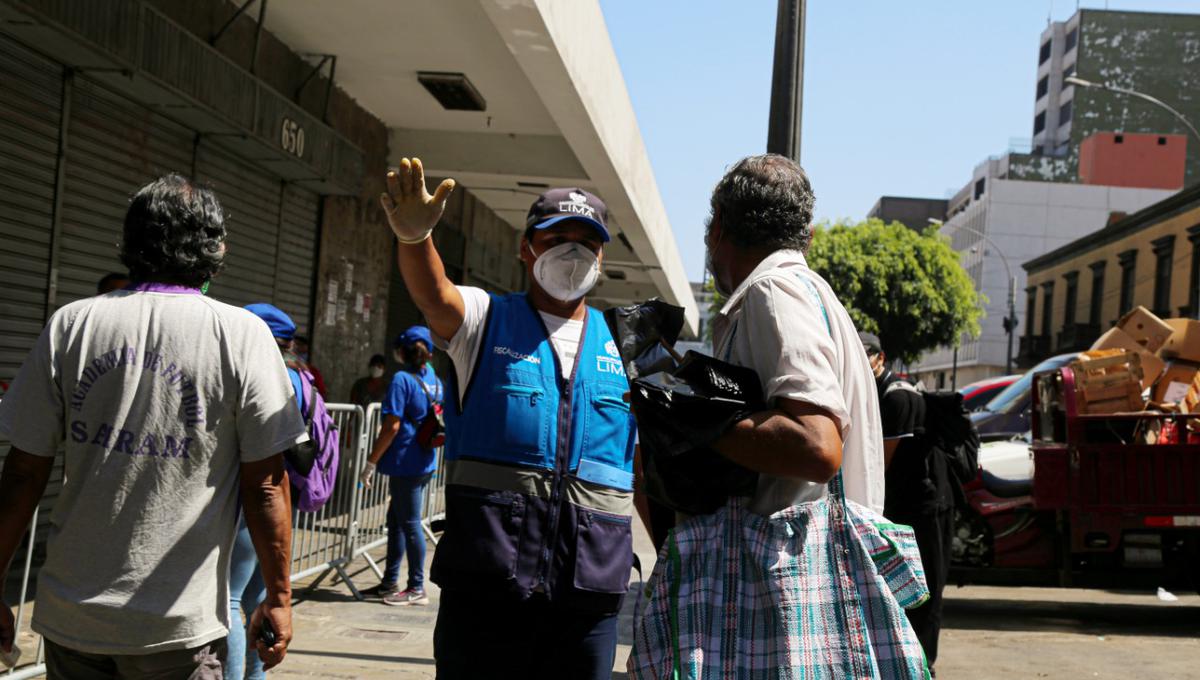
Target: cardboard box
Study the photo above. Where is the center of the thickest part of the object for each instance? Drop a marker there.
(1176, 382)
(1108, 381)
(1184, 342)
(1145, 328)
(1152, 365)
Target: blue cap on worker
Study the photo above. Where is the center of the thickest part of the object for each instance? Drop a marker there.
(278, 321)
(557, 205)
(412, 335)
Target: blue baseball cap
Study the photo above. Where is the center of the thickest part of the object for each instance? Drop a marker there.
(413, 335)
(558, 205)
(280, 323)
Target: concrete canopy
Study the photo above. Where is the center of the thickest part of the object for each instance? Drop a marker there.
(557, 112)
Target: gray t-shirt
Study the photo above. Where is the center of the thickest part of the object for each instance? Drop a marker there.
(156, 397)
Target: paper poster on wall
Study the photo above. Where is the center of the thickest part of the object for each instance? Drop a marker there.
(348, 275)
(333, 291)
(330, 315)
(342, 308)
(358, 303)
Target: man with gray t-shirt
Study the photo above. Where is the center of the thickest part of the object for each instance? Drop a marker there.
(167, 405)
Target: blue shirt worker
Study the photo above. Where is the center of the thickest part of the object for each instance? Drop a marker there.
(408, 463)
(537, 549)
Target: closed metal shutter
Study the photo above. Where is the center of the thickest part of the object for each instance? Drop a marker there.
(30, 110)
(251, 202)
(114, 147)
(297, 255)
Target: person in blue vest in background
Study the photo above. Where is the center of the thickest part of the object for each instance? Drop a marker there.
(408, 463)
(537, 549)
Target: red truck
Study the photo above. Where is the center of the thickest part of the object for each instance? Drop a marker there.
(1104, 508)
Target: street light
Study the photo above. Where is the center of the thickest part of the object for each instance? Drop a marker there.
(1073, 80)
(1010, 321)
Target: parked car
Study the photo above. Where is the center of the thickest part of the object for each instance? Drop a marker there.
(978, 394)
(1007, 414)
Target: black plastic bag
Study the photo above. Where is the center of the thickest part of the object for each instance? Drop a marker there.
(681, 408)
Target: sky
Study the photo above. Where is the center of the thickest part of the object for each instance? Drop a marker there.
(900, 98)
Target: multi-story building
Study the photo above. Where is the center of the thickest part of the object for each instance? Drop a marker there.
(914, 213)
(1152, 53)
(1079, 290)
(998, 223)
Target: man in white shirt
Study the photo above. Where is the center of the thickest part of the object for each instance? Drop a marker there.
(168, 405)
(537, 549)
(783, 320)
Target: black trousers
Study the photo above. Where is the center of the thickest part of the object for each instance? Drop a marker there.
(477, 637)
(934, 531)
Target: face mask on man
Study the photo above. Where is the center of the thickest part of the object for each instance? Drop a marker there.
(567, 271)
(376, 372)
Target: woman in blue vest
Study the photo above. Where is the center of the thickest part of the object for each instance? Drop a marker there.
(537, 549)
(408, 464)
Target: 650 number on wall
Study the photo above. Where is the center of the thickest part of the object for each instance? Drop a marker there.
(291, 137)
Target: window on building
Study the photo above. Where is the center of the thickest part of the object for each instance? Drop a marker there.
(1193, 308)
(1064, 113)
(1067, 73)
(1128, 260)
(1072, 297)
(1043, 87)
(1096, 303)
(1072, 38)
(1118, 139)
(1044, 54)
(1030, 310)
(1039, 122)
(1047, 308)
(979, 186)
(1164, 254)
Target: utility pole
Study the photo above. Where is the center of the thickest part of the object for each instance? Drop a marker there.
(787, 81)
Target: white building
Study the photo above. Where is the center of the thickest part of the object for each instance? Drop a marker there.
(1023, 220)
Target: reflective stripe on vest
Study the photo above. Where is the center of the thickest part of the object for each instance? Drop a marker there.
(530, 482)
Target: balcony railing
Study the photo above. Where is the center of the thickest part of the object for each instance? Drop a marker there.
(1076, 337)
(1033, 348)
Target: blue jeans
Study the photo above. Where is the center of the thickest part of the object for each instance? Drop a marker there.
(246, 592)
(404, 530)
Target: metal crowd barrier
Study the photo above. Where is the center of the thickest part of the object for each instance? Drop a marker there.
(35, 664)
(349, 526)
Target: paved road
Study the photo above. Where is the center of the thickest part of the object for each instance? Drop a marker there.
(991, 633)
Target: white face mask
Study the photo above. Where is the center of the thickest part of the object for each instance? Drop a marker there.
(567, 271)
(376, 372)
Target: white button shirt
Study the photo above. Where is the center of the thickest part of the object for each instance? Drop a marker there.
(785, 322)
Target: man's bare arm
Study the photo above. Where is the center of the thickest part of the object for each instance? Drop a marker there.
(412, 214)
(21, 487)
(793, 440)
(266, 498)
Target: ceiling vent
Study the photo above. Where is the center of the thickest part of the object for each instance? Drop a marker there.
(452, 90)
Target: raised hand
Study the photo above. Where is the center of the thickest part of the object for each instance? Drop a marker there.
(412, 213)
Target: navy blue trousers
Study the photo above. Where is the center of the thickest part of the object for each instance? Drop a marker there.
(482, 637)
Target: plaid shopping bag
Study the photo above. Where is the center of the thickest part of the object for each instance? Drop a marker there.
(813, 591)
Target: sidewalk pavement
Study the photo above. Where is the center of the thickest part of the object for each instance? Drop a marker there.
(337, 636)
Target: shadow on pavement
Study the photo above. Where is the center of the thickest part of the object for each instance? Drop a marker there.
(364, 657)
(1071, 617)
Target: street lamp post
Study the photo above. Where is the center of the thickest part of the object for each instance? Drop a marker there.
(1010, 321)
(1073, 80)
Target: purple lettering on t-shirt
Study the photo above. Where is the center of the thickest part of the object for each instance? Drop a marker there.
(124, 442)
(102, 435)
(147, 448)
(78, 431)
(176, 449)
(151, 361)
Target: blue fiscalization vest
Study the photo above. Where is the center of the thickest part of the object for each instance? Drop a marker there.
(539, 468)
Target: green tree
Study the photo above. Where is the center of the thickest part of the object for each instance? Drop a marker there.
(908, 288)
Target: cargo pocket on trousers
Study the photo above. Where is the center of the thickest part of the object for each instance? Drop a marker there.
(603, 552)
(483, 532)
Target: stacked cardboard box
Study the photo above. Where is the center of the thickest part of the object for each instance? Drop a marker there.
(1167, 354)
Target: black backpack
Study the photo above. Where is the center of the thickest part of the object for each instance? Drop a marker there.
(949, 435)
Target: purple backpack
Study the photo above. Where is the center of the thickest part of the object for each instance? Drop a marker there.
(312, 466)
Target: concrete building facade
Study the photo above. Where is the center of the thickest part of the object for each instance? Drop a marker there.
(1023, 219)
(914, 213)
(1153, 53)
(1151, 258)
